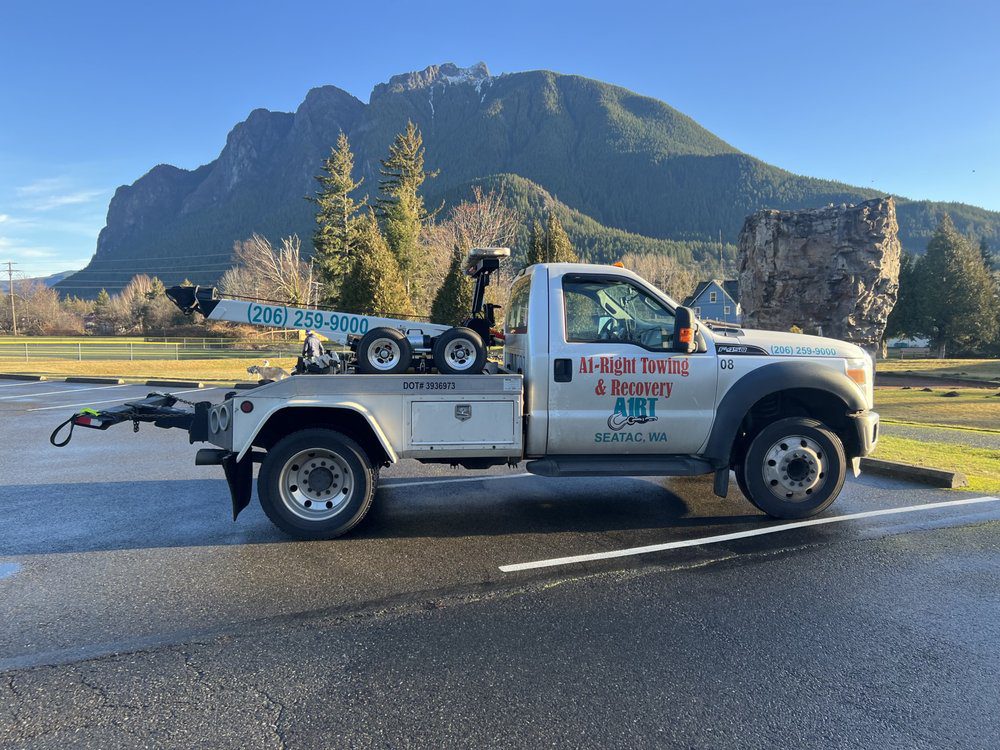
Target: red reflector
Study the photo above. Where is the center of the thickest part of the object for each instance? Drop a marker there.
(82, 420)
(246, 407)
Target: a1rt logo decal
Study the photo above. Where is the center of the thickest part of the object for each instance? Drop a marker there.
(630, 411)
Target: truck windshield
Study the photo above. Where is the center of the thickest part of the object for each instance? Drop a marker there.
(599, 310)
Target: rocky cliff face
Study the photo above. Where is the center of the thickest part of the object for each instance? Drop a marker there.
(628, 162)
(832, 270)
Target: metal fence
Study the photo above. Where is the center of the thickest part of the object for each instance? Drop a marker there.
(135, 349)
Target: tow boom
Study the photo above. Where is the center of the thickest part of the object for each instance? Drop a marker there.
(336, 326)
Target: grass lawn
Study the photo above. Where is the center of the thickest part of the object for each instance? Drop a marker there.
(230, 370)
(973, 408)
(981, 466)
(973, 369)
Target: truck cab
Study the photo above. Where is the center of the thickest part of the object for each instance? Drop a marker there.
(610, 387)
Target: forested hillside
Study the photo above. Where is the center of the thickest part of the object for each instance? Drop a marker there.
(626, 173)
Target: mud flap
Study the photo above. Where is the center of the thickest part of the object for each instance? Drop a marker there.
(720, 485)
(239, 476)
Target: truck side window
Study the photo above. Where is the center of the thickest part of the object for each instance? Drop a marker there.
(517, 309)
(600, 310)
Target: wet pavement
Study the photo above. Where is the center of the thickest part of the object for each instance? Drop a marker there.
(135, 612)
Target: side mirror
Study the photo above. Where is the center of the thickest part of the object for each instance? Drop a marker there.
(684, 330)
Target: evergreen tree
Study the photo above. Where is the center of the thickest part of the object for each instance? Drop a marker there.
(453, 301)
(374, 285)
(908, 317)
(102, 303)
(102, 310)
(957, 292)
(550, 244)
(401, 204)
(536, 244)
(558, 248)
(984, 250)
(336, 218)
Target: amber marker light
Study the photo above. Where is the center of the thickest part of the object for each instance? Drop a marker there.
(859, 375)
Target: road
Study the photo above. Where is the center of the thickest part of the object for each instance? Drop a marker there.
(137, 614)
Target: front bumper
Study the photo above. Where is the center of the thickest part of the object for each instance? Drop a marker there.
(865, 424)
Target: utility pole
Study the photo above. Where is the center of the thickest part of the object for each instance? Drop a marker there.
(10, 288)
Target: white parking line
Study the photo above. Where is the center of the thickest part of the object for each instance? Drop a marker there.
(738, 535)
(32, 382)
(68, 390)
(108, 401)
(446, 480)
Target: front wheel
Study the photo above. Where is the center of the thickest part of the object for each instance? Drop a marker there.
(316, 484)
(794, 468)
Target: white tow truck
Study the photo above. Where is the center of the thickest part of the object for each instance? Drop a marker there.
(602, 375)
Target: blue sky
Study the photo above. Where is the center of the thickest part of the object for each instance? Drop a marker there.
(903, 96)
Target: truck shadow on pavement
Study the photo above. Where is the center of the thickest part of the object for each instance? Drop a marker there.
(87, 517)
(540, 506)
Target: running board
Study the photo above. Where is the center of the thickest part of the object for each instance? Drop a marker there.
(619, 466)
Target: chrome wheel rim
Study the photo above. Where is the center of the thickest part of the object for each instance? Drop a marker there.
(383, 354)
(316, 484)
(795, 468)
(460, 354)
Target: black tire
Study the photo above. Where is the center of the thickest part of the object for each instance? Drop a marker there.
(316, 510)
(459, 351)
(741, 481)
(384, 351)
(794, 468)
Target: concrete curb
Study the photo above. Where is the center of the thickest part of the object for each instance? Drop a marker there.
(99, 381)
(176, 383)
(17, 376)
(932, 379)
(923, 474)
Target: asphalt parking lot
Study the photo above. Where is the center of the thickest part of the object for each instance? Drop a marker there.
(136, 613)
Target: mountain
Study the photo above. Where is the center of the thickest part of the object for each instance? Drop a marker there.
(628, 172)
(50, 280)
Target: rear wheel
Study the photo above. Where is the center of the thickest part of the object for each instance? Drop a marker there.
(794, 468)
(459, 351)
(316, 484)
(384, 351)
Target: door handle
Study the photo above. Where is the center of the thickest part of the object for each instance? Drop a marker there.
(562, 370)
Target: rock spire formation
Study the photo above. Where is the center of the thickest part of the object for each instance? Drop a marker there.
(832, 270)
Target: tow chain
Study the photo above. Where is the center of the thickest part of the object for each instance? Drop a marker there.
(175, 398)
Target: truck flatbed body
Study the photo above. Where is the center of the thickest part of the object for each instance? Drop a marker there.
(413, 415)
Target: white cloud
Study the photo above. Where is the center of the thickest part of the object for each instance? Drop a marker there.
(14, 248)
(55, 192)
(4, 218)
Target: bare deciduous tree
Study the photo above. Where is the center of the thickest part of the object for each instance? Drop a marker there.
(265, 272)
(485, 221)
(662, 271)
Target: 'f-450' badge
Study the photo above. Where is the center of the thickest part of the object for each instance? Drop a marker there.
(463, 412)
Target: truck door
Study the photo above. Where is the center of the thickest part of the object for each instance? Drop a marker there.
(615, 385)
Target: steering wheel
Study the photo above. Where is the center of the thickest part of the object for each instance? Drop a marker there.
(609, 331)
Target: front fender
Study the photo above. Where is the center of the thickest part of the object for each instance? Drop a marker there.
(768, 380)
